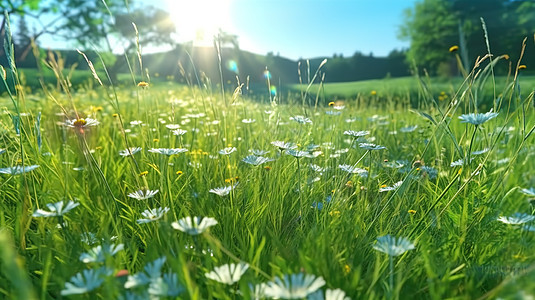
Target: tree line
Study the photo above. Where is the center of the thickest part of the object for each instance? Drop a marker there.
(431, 27)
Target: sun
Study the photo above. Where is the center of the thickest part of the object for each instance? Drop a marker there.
(198, 21)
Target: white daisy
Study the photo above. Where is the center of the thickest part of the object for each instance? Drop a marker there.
(86, 281)
(477, 119)
(16, 170)
(179, 132)
(143, 194)
(153, 214)
(168, 151)
(228, 274)
(100, 253)
(393, 246)
(55, 209)
(223, 191)
(294, 286)
(81, 123)
(301, 120)
(130, 151)
(256, 160)
(517, 219)
(195, 225)
(227, 150)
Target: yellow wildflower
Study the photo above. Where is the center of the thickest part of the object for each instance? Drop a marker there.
(334, 213)
(454, 48)
(143, 84)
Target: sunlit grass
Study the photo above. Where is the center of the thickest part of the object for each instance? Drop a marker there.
(173, 191)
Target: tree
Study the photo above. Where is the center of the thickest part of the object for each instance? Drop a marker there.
(224, 38)
(153, 26)
(95, 24)
(24, 8)
(432, 26)
(22, 35)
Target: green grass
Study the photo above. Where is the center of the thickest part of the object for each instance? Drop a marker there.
(287, 216)
(405, 89)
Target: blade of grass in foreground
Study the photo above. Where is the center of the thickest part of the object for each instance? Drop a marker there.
(12, 269)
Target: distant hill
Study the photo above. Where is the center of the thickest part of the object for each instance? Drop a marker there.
(200, 63)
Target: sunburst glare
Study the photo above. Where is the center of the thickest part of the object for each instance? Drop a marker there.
(200, 20)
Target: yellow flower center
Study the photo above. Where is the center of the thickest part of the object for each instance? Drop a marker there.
(79, 123)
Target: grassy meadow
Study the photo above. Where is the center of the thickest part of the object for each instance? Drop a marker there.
(155, 191)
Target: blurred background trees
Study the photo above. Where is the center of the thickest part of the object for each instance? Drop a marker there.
(432, 26)
(105, 26)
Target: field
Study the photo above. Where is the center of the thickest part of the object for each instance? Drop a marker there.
(167, 191)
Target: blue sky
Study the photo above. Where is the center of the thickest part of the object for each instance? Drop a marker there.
(301, 28)
(291, 28)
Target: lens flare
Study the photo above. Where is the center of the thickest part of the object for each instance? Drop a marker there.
(232, 65)
(273, 90)
(267, 74)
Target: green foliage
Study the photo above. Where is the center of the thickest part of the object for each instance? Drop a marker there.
(429, 180)
(433, 26)
(271, 219)
(153, 25)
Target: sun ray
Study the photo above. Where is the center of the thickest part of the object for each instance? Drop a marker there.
(198, 21)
